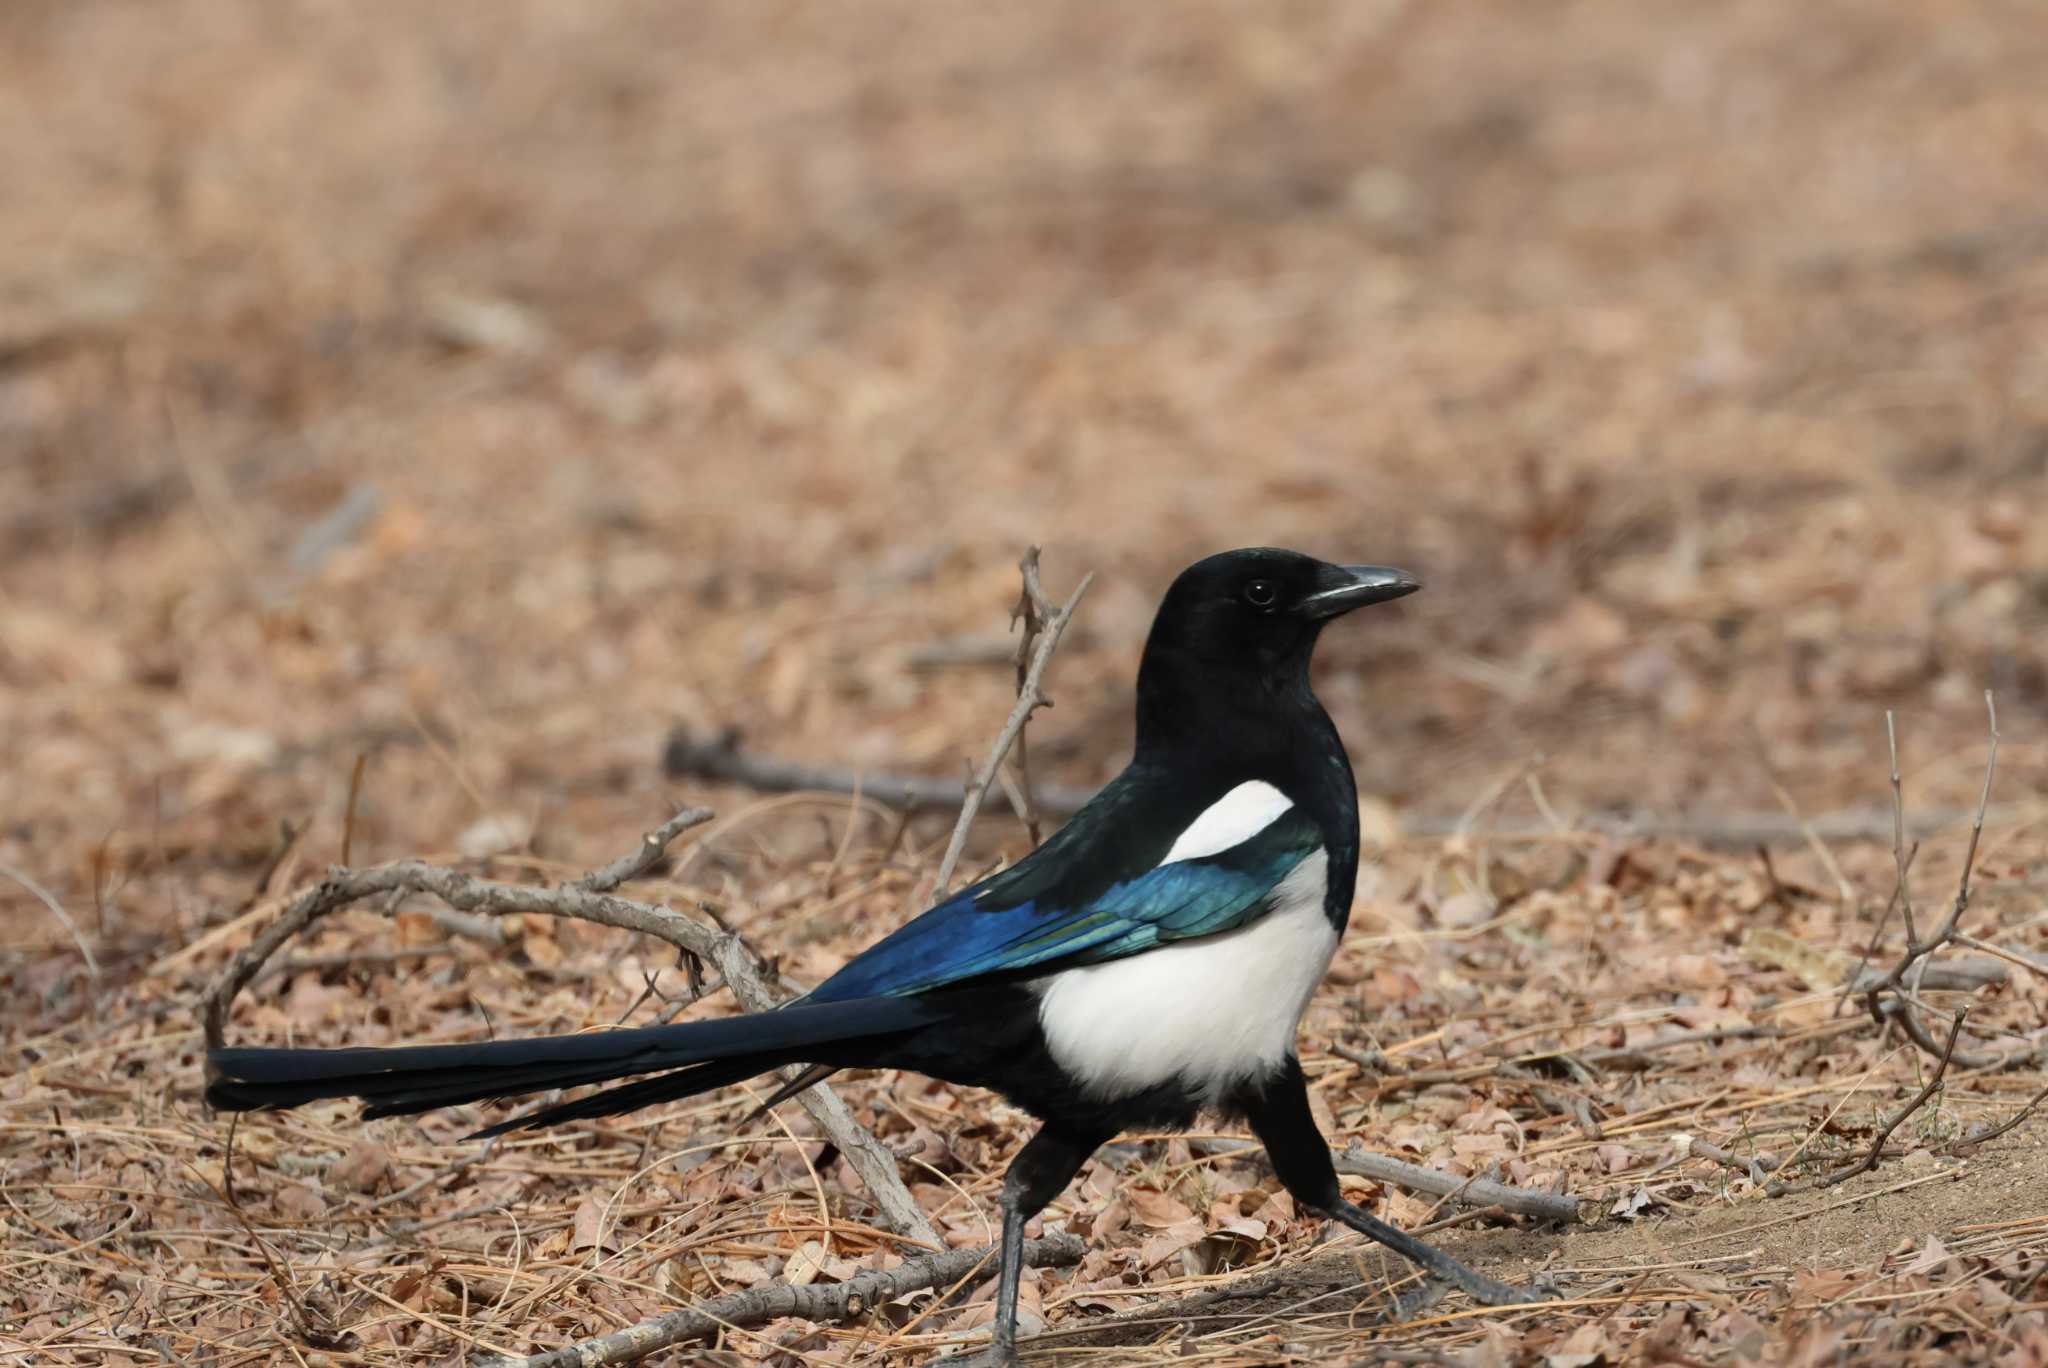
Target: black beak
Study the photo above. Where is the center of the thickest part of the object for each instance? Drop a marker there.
(1354, 586)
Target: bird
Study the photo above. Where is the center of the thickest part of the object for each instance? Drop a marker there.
(1148, 963)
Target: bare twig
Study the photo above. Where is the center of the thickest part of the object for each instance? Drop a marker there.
(288, 834)
(1036, 612)
(1955, 976)
(1905, 891)
(1900, 1009)
(1877, 931)
(1546, 1206)
(1913, 960)
(2019, 957)
(1471, 1192)
(1977, 1135)
(720, 758)
(773, 1301)
(653, 846)
(587, 899)
(1756, 1167)
(348, 817)
(49, 900)
(1030, 698)
(1876, 1151)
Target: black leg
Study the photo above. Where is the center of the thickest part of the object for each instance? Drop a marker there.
(1046, 1164)
(1301, 1157)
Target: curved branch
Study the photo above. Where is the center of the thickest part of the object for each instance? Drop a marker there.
(816, 1302)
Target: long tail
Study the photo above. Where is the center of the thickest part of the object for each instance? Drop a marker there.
(687, 1059)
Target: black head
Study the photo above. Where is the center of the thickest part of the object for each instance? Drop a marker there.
(1264, 607)
(1227, 661)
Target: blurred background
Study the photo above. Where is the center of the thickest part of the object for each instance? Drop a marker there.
(486, 388)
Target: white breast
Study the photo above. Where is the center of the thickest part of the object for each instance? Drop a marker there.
(1212, 1012)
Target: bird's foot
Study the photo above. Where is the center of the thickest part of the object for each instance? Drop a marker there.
(1492, 1292)
(1408, 1305)
(1482, 1289)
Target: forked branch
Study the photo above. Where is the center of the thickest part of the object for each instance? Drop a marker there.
(1030, 698)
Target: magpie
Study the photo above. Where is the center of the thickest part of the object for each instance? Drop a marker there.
(1148, 962)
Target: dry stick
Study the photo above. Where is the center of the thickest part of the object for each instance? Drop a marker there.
(816, 1302)
(1898, 1009)
(1547, 1206)
(1034, 610)
(1977, 1135)
(1778, 1187)
(1030, 698)
(1891, 737)
(587, 899)
(1755, 1167)
(92, 965)
(1472, 1192)
(2019, 957)
(719, 758)
(1917, 950)
(1849, 985)
(348, 817)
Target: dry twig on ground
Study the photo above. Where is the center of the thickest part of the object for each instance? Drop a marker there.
(720, 758)
(1906, 978)
(814, 1302)
(1470, 1192)
(1868, 1160)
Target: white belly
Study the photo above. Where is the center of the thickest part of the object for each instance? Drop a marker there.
(1212, 1013)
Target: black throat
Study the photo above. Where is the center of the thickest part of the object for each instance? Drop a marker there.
(1212, 724)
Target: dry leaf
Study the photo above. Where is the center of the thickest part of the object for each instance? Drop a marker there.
(806, 1265)
(589, 1229)
(1584, 1347)
(1158, 1248)
(1156, 1209)
(362, 1169)
(300, 1202)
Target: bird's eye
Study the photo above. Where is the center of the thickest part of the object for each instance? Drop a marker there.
(1260, 593)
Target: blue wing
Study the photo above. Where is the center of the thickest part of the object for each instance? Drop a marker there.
(978, 932)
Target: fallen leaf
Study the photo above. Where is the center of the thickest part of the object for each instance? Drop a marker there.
(806, 1265)
(300, 1202)
(1156, 1209)
(588, 1228)
(1932, 1255)
(1585, 1346)
(362, 1168)
(1157, 1249)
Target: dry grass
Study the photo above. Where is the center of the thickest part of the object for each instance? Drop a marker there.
(483, 388)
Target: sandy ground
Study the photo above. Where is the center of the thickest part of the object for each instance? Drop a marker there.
(482, 390)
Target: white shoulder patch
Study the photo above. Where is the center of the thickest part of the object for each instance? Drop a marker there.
(1231, 820)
